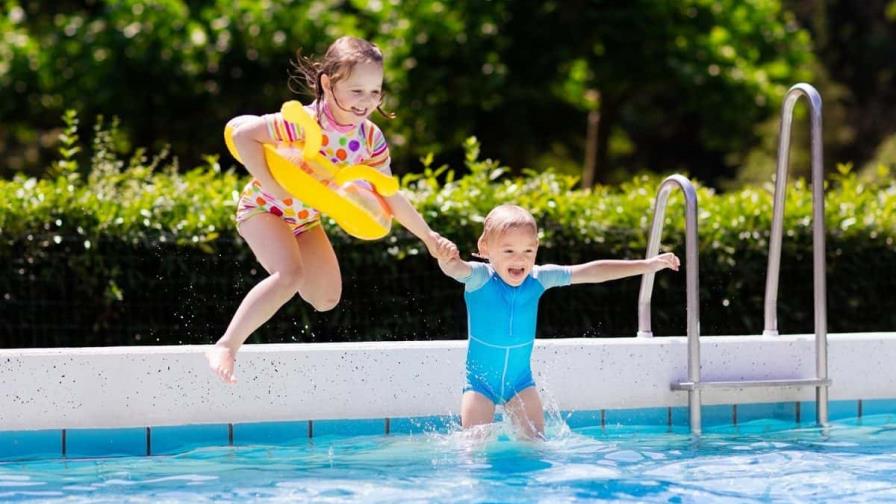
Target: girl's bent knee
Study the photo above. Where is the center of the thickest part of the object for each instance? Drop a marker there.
(289, 279)
(325, 304)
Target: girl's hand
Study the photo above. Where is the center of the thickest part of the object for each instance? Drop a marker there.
(449, 251)
(441, 248)
(663, 261)
(449, 259)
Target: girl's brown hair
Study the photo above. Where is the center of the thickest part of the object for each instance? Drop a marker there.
(337, 63)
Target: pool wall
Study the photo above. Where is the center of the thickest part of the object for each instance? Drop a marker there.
(137, 387)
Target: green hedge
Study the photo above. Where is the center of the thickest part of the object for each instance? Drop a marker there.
(135, 251)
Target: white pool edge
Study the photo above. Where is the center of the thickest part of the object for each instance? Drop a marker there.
(171, 385)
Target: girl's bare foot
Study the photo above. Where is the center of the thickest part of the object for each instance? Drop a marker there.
(221, 360)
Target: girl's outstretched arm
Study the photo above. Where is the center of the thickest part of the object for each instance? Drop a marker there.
(604, 270)
(407, 215)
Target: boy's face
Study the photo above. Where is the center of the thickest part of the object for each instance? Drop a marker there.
(356, 96)
(512, 253)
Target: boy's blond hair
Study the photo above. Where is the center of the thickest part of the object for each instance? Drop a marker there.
(503, 218)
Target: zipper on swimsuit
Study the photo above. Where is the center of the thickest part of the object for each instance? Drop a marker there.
(510, 333)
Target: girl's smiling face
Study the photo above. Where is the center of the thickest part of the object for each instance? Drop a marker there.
(355, 97)
(511, 253)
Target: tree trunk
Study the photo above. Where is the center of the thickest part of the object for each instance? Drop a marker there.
(589, 171)
(600, 123)
(608, 112)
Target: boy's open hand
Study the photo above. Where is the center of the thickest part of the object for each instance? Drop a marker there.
(663, 261)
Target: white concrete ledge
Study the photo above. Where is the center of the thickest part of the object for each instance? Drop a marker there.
(172, 385)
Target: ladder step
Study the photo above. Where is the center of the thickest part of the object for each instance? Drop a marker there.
(794, 382)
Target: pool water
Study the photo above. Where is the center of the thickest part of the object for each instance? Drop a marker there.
(761, 461)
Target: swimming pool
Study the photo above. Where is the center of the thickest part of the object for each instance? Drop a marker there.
(330, 422)
(756, 461)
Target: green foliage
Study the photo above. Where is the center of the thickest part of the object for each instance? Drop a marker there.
(67, 165)
(135, 251)
(673, 73)
(856, 42)
(684, 81)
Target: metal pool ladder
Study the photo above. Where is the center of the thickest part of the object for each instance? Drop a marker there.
(692, 289)
(695, 384)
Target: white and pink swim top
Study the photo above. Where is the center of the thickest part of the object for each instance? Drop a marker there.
(343, 145)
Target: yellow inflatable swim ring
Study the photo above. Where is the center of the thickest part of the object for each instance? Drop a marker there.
(352, 196)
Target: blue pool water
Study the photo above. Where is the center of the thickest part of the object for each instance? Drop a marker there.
(760, 461)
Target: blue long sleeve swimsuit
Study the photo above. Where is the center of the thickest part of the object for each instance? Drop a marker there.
(501, 328)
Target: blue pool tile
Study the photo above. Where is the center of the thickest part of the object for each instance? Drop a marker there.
(837, 410)
(715, 415)
(421, 425)
(843, 411)
(884, 407)
(807, 412)
(783, 411)
(348, 427)
(582, 419)
(639, 416)
(270, 433)
(680, 416)
(711, 417)
(718, 415)
(30, 444)
(105, 442)
(181, 438)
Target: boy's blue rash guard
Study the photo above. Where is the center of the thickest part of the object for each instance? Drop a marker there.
(501, 328)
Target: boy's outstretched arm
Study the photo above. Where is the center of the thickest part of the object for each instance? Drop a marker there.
(604, 270)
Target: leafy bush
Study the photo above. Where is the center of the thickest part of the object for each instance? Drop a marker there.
(135, 251)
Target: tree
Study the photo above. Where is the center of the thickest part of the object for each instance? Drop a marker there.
(687, 81)
(681, 84)
(856, 44)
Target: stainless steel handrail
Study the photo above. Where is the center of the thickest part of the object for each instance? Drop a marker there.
(691, 260)
(692, 286)
(818, 231)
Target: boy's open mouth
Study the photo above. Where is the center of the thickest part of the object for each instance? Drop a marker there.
(516, 272)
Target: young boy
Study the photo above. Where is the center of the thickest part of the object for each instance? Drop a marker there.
(502, 307)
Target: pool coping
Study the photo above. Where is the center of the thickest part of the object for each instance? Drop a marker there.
(148, 389)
